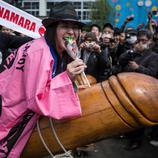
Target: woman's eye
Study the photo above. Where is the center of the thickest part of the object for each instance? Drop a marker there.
(69, 26)
(62, 26)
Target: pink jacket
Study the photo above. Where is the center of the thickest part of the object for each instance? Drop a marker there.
(27, 91)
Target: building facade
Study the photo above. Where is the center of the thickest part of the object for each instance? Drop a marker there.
(41, 8)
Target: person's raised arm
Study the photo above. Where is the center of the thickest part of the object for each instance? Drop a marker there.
(127, 20)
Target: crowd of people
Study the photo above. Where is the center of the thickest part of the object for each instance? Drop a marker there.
(114, 50)
(104, 51)
(127, 49)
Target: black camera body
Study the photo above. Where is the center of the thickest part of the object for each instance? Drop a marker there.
(89, 46)
(131, 54)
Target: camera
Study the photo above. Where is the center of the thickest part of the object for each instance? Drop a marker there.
(90, 45)
(131, 54)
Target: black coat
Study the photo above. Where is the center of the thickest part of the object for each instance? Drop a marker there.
(98, 65)
(105, 64)
(10, 41)
(147, 61)
(92, 64)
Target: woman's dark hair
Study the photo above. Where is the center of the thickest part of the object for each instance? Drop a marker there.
(50, 34)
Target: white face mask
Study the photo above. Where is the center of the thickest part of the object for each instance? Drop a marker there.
(132, 39)
(141, 47)
(145, 46)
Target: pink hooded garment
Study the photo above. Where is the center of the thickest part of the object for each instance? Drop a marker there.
(27, 91)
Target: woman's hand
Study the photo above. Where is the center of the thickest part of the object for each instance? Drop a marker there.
(75, 68)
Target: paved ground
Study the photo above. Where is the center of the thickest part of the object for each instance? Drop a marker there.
(113, 148)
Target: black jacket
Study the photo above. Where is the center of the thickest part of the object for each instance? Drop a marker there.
(92, 63)
(147, 61)
(105, 64)
(98, 65)
(10, 41)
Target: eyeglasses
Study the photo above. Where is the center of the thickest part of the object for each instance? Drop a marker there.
(142, 40)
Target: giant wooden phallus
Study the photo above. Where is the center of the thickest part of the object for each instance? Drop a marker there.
(120, 104)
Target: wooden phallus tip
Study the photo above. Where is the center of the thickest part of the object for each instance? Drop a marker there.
(142, 92)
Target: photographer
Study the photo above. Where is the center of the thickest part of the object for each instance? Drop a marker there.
(141, 59)
(108, 49)
(126, 44)
(90, 53)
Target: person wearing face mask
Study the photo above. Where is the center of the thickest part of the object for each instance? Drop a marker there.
(142, 60)
(130, 38)
(127, 40)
